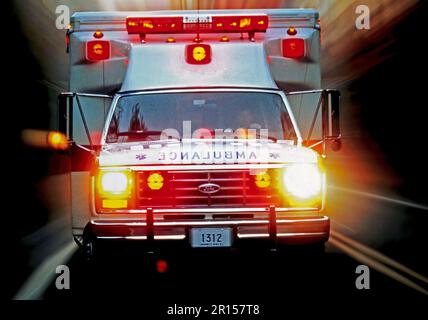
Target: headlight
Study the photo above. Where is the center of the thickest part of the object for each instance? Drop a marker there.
(303, 181)
(114, 189)
(115, 183)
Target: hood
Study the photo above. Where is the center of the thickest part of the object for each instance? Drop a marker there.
(202, 152)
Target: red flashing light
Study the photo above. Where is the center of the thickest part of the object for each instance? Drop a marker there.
(257, 23)
(161, 266)
(147, 25)
(293, 48)
(67, 37)
(157, 25)
(198, 53)
(97, 50)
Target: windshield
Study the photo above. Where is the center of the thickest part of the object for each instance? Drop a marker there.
(218, 115)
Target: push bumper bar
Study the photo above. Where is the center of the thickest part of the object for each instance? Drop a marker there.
(288, 230)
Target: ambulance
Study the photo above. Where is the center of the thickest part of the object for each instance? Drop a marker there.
(198, 129)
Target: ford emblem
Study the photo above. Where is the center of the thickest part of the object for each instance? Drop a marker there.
(209, 188)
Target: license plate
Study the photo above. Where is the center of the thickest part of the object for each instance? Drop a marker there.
(210, 237)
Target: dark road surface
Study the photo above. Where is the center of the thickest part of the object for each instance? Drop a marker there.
(275, 280)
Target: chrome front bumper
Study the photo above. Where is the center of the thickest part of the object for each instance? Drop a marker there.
(299, 229)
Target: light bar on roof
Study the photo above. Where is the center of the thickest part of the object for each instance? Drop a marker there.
(201, 24)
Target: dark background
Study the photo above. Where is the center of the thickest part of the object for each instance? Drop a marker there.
(393, 107)
(391, 110)
(24, 105)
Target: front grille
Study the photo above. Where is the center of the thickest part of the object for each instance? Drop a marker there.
(181, 190)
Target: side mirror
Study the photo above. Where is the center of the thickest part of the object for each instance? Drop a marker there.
(81, 117)
(318, 118)
(331, 118)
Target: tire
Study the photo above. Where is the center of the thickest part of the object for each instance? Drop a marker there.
(89, 251)
(89, 246)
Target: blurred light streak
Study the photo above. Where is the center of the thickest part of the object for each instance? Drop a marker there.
(35, 138)
(383, 198)
(44, 139)
(376, 265)
(347, 51)
(339, 225)
(379, 256)
(42, 277)
(47, 240)
(108, 5)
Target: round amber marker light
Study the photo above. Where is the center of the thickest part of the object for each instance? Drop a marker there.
(98, 34)
(199, 53)
(57, 140)
(262, 180)
(155, 181)
(291, 31)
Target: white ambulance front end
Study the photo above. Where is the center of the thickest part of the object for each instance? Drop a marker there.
(198, 167)
(200, 147)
